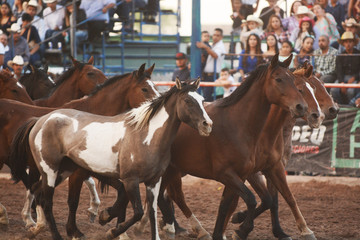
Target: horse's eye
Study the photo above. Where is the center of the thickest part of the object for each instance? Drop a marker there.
(90, 74)
(300, 90)
(144, 90)
(188, 101)
(278, 80)
(14, 91)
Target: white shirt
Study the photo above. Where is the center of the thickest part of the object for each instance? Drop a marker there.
(219, 49)
(94, 8)
(228, 91)
(39, 24)
(54, 19)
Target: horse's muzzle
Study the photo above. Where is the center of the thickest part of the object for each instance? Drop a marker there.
(205, 128)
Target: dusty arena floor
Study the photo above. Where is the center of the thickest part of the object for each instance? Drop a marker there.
(330, 205)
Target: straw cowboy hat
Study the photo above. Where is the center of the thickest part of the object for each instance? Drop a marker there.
(32, 3)
(18, 60)
(253, 18)
(350, 22)
(348, 36)
(306, 11)
(14, 28)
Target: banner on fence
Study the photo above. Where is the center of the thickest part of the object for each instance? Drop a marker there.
(335, 146)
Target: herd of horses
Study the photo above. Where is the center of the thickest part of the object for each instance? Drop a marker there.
(123, 132)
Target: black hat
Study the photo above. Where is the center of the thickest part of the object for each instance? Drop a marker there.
(180, 55)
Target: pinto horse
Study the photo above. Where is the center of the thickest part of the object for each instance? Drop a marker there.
(10, 88)
(76, 82)
(105, 145)
(116, 95)
(37, 82)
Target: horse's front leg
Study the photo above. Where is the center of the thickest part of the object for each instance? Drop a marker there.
(152, 193)
(278, 178)
(40, 220)
(26, 211)
(4, 220)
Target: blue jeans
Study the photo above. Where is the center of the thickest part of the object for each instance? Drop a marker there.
(341, 98)
(208, 92)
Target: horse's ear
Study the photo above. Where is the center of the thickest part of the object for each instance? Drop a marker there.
(308, 70)
(74, 61)
(274, 61)
(31, 67)
(151, 69)
(287, 62)
(46, 67)
(197, 82)
(178, 83)
(141, 70)
(91, 60)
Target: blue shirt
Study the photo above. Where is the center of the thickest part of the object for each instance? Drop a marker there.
(251, 63)
(94, 8)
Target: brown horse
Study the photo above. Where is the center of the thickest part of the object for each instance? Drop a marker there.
(116, 95)
(10, 88)
(105, 145)
(76, 82)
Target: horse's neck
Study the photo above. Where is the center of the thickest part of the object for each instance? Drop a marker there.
(64, 93)
(277, 119)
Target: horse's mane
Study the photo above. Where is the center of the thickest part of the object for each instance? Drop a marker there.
(141, 116)
(244, 87)
(108, 82)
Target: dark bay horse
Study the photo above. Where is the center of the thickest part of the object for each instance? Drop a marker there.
(10, 88)
(74, 83)
(37, 82)
(133, 147)
(116, 95)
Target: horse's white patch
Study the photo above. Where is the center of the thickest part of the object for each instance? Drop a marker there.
(19, 85)
(155, 123)
(26, 211)
(132, 157)
(322, 115)
(94, 197)
(51, 80)
(100, 140)
(200, 100)
(155, 192)
(41, 220)
(152, 85)
(170, 228)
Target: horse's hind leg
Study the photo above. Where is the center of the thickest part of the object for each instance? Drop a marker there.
(40, 221)
(94, 199)
(26, 211)
(4, 220)
(152, 193)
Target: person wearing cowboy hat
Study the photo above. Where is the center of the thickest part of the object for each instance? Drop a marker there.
(252, 24)
(350, 25)
(17, 64)
(347, 68)
(33, 8)
(17, 44)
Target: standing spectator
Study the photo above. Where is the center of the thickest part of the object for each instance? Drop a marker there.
(152, 9)
(17, 64)
(227, 80)
(253, 57)
(182, 72)
(17, 45)
(98, 11)
(325, 60)
(347, 68)
(18, 9)
(306, 50)
(31, 35)
(54, 16)
(353, 8)
(33, 8)
(337, 10)
(285, 51)
(272, 9)
(205, 38)
(292, 22)
(275, 27)
(325, 23)
(253, 24)
(6, 17)
(306, 29)
(216, 53)
(248, 5)
(239, 14)
(272, 47)
(4, 41)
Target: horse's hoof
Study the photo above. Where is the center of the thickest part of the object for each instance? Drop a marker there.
(138, 231)
(205, 237)
(237, 235)
(308, 237)
(91, 216)
(124, 236)
(109, 235)
(238, 217)
(179, 231)
(104, 217)
(77, 238)
(285, 238)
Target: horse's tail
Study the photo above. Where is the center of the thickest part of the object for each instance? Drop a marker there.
(19, 152)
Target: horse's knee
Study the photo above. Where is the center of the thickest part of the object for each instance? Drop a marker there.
(138, 215)
(267, 202)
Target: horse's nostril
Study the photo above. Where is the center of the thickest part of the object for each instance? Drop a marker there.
(333, 110)
(299, 107)
(315, 115)
(205, 123)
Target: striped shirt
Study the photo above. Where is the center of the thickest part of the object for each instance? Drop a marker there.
(325, 64)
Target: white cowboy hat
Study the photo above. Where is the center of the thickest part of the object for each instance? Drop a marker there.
(14, 28)
(305, 10)
(18, 60)
(253, 18)
(49, 1)
(32, 3)
(350, 22)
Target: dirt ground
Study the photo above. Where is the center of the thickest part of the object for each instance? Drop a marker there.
(330, 205)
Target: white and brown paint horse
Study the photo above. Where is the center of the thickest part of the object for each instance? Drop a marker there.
(133, 147)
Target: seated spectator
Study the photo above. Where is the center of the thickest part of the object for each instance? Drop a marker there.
(123, 11)
(182, 72)
(249, 62)
(337, 10)
(31, 35)
(33, 8)
(54, 16)
(6, 17)
(350, 25)
(272, 9)
(17, 45)
(347, 68)
(325, 23)
(4, 41)
(152, 10)
(292, 22)
(239, 14)
(285, 51)
(17, 64)
(98, 11)
(325, 60)
(275, 27)
(305, 29)
(306, 50)
(248, 5)
(227, 80)
(18, 9)
(252, 24)
(272, 47)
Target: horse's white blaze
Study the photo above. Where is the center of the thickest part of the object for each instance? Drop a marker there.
(155, 192)
(155, 123)
(100, 140)
(322, 115)
(200, 100)
(152, 85)
(51, 174)
(19, 85)
(51, 80)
